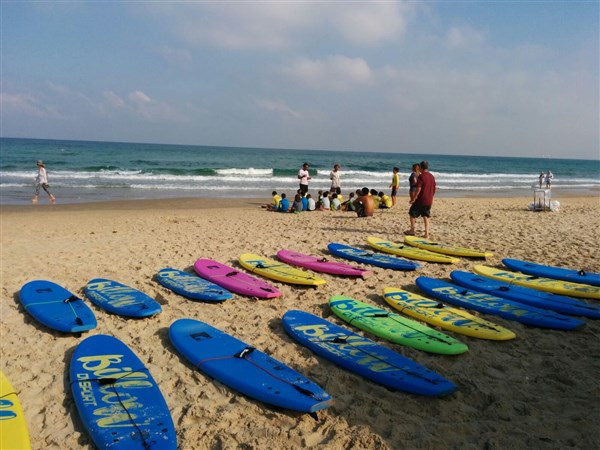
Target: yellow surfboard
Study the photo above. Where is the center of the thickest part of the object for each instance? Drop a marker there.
(540, 283)
(444, 316)
(13, 428)
(446, 249)
(408, 251)
(278, 271)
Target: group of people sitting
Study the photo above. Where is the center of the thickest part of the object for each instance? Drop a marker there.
(364, 202)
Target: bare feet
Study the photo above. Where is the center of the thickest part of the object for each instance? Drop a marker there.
(409, 232)
(34, 200)
(52, 199)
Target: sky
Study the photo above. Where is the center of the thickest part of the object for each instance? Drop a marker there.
(502, 78)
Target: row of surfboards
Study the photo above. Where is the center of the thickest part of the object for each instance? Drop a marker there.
(121, 405)
(59, 309)
(140, 405)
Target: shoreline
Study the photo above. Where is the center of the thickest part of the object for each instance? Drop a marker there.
(536, 391)
(202, 202)
(24, 199)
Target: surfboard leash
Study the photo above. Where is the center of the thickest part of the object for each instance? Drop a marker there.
(110, 381)
(68, 301)
(244, 354)
(344, 340)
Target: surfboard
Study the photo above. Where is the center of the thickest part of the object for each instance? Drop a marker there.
(244, 368)
(322, 264)
(278, 271)
(540, 283)
(120, 299)
(13, 428)
(444, 316)
(394, 327)
(491, 304)
(192, 286)
(367, 257)
(119, 402)
(409, 252)
(446, 249)
(235, 281)
(56, 307)
(533, 297)
(363, 356)
(557, 273)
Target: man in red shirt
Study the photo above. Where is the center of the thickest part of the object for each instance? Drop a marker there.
(423, 199)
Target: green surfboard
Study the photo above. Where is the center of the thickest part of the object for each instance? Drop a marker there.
(394, 327)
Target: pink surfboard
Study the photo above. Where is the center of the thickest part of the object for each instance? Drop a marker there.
(233, 280)
(322, 264)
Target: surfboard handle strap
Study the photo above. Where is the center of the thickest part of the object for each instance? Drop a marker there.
(582, 273)
(245, 355)
(344, 340)
(68, 300)
(110, 381)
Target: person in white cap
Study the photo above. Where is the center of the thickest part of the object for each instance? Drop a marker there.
(41, 181)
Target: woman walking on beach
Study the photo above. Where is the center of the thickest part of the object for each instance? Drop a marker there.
(41, 181)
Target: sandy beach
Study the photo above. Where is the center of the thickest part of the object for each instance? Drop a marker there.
(538, 391)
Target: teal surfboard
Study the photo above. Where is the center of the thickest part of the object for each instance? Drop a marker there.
(120, 299)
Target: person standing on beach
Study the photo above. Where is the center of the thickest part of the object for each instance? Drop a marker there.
(549, 177)
(541, 178)
(334, 176)
(395, 184)
(304, 176)
(412, 180)
(41, 181)
(423, 199)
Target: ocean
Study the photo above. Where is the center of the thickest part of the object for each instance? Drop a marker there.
(86, 171)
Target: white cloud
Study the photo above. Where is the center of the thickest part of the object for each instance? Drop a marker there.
(371, 23)
(337, 72)
(277, 106)
(464, 38)
(113, 100)
(139, 97)
(27, 104)
(282, 25)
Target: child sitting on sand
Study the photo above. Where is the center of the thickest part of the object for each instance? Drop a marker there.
(348, 205)
(284, 204)
(385, 201)
(297, 205)
(274, 203)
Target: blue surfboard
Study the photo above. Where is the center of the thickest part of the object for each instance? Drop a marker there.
(118, 401)
(56, 307)
(528, 296)
(368, 257)
(363, 356)
(120, 299)
(557, 273)
(491, 304)
(192, 286)
(244, 368)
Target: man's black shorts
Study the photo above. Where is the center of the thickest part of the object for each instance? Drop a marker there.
(419, 210)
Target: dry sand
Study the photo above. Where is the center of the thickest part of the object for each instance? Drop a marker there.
(538, 391)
